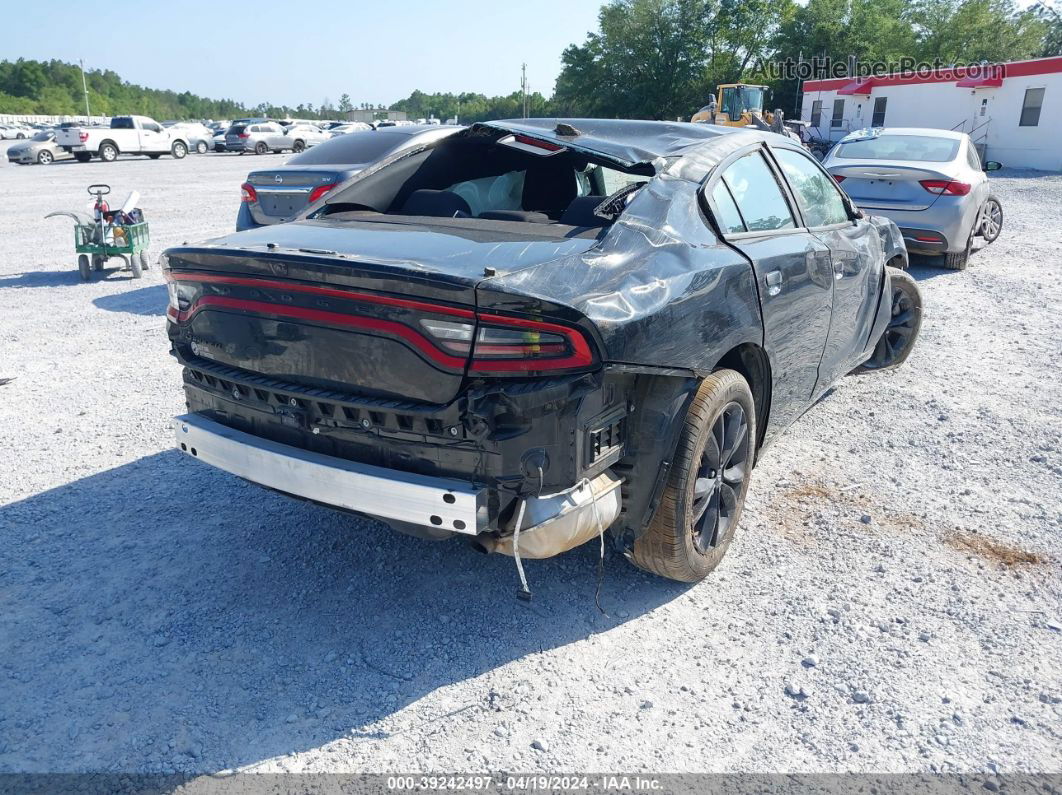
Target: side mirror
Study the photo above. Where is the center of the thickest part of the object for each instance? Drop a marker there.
(993, 165)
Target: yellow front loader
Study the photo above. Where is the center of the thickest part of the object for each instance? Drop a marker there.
(735, 105)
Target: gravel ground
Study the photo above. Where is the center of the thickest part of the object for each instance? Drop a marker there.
(891, 602)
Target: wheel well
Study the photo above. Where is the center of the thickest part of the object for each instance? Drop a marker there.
(106, 141)
(750, 360)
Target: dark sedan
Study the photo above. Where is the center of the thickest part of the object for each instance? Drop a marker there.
(273, 195)
(532, 332)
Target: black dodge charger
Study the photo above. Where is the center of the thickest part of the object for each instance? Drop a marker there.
(532, 332)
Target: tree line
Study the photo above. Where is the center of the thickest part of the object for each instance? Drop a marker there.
(653, 59)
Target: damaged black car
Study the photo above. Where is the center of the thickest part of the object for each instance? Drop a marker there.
(533, 333)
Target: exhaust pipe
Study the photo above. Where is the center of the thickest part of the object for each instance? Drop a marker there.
(555, 523)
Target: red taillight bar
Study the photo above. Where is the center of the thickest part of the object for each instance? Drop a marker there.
(320, 191)
(838, 177)
(248, 193)
(942, 186)
(574, 353)
(82, 137)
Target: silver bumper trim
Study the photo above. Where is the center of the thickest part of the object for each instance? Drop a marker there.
(440, 503)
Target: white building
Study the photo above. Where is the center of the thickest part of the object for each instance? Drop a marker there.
(1012, 111)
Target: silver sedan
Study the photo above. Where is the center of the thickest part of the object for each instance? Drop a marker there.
(931, 183)
(40, 149)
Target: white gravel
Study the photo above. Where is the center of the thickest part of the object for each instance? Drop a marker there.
(157, 615)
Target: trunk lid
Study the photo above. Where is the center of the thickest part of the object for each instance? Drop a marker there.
(283, 192)
(341, 306)
(888, 184)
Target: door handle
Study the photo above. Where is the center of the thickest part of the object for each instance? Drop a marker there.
(774, 282)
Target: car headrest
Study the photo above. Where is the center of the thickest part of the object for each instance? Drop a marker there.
(525, 216)
(581, 212)
(438, 203)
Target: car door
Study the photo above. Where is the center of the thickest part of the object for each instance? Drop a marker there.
(855, 257)
(793, 273)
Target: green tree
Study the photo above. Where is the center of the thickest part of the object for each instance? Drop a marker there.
(1049, 14)
(345, 104)
(964, 31)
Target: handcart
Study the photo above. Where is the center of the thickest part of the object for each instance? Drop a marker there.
(109, 234)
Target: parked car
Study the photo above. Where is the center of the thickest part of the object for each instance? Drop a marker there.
(304, 136)
(349, 127)
(273, 195)
(12, 132)
(200, 137)
(536, 330)
(41, 148)
(126, 135)
(930, 182)
(258, 137)
(218, 141)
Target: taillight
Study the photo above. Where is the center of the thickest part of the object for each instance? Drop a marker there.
(244, 135)
(248, 193)
(82, 137)
(838, 177)
(501, 344)
(320, 191)
(944, 186)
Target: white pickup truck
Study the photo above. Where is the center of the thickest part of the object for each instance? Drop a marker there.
(134, 135)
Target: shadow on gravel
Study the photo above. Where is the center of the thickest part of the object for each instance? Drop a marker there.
(163, 616)
(42, 278)
(143, 301)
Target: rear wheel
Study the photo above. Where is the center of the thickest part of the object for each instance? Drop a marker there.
(98, 261)
(44, 157)
(260, 148)
(108, 152)
(134, 266)
(144, 263)
(991, 220)
(155, 156)
(960, 259)
(298, 146)
(82, 157)
(83, 267)
(701, 505)
(178, 150)
(905, 321)
(201, 147)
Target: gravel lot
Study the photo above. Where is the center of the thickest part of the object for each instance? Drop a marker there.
(891, 602)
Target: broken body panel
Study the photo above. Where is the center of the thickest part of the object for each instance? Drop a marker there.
(370, 336)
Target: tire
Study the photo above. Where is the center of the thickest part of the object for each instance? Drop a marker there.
(260, 148)
(687, 537)
(905, 321)
(145, 263)
(155, 156)
(298, 146)
(98, 262)
(178, 150)
(201, 147)
(83, 267)
(134, 266)
(20, 137)
(45, 157)
(108, 152)
(961, 259)
(82, 157)
(991, 220)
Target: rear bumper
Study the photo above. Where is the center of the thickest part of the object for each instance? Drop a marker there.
(388, 494)
(924, 241)
(946, 225)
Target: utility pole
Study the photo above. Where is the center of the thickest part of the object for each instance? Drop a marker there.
(523, 86)
(84, 85)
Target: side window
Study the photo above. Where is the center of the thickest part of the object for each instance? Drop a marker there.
(1030, 107)
(838, 113)
(728, 216)
(819, 200)
(971, 155)
(757, 194)
(816, 113)
(879, 112)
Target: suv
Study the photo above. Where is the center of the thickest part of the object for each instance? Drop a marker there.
(258, 137)
(534, 331)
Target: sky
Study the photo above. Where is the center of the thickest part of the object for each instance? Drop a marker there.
(291, 52)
